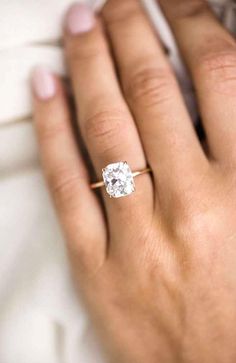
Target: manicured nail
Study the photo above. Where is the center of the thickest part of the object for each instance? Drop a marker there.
(43, 83)
(79, 19)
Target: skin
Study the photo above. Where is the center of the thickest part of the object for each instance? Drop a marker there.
(157, 269)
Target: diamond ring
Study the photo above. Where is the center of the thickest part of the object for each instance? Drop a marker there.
(119, 179)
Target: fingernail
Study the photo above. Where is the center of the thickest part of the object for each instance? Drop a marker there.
(79, 19)
(43, 83)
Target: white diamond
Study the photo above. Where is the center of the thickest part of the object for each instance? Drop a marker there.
(118, 179)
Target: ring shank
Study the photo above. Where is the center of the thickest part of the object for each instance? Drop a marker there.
(101, 184)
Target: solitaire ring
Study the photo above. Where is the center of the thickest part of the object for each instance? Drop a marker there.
(118, 179)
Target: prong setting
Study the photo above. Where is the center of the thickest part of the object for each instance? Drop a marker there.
(118, 179)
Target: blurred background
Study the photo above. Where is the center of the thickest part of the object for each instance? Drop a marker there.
(41, 319)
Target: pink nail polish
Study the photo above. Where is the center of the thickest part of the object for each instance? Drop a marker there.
(80, 19)
(43, 83)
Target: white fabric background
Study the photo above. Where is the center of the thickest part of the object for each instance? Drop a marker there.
(41, 319)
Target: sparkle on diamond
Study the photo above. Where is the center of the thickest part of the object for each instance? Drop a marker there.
(118, 179)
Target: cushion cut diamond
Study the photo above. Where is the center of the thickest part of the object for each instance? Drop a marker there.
(118, 179)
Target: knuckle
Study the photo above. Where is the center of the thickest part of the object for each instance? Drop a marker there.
(51, 130)
(192, 8)
(64, 187)
(86, 52)
(104, 128)
(116, 12)
(194, 222)
(185, 8)
(220, 69)
(191, 228)
(150, 86)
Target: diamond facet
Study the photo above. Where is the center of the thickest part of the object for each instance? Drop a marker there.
(118, 179)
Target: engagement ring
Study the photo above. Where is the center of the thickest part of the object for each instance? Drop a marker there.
(118, 179)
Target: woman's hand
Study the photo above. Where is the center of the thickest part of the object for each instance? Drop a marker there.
(157, 268)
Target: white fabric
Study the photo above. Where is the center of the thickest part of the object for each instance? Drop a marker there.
(41, 319)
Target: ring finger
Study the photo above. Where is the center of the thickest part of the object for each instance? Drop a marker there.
(105, 121)
(168, 136)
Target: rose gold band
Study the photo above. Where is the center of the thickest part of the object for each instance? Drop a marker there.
(135, 173)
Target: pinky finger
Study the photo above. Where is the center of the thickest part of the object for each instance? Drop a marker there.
(77, 206)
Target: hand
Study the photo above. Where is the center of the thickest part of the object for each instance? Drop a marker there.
(157, 269)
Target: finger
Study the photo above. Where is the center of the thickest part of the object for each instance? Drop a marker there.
(66, 173)
(167, 133)
(105, 121)
(210, 53)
